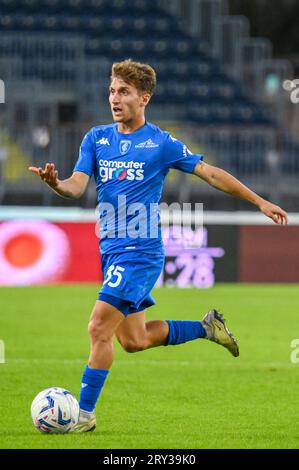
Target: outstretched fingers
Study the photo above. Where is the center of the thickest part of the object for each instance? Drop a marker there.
(35, 170)
(49, 174)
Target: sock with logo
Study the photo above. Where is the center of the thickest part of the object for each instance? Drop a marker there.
(92, 383)
(183, 331)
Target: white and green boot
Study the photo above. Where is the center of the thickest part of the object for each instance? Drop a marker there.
(86, 423)
(214, 324)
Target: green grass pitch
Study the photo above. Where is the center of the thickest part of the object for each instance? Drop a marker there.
(193, 395)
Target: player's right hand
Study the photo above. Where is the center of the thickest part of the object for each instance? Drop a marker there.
(49, 175)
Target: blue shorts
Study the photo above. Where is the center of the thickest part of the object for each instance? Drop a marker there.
(129, 278)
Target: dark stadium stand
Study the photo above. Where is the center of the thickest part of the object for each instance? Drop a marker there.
(141, 30)
(61, 51)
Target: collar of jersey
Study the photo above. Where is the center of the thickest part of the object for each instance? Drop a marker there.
(138, 131)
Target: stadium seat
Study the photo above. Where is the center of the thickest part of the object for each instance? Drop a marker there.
(7, 22)
(8, 6)
(200, 114)
(225, 92)
(178, 68)
(289, 156)
(241, 113)
(220, 113)
(247, 154)
(91, 25)
(160, 93)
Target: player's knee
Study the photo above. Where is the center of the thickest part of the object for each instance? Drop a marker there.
(97, 332)
(132, 346)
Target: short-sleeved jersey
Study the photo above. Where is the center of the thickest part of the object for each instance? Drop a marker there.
(129, 171)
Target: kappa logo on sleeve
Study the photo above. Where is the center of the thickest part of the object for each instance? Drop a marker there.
(103, 141)
(186, 151)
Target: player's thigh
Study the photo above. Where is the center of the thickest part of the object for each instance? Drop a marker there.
(104, 318)
(132, 328)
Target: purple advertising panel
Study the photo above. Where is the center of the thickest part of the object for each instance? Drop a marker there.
(199, 258)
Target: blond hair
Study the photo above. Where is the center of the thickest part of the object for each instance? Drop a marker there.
(142, 76)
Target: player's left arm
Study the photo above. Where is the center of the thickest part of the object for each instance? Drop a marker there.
(224, 181)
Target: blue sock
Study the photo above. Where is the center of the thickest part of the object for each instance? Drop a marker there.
(183, 331)
(92, 384)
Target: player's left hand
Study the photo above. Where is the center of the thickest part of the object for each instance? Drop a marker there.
(276, 213)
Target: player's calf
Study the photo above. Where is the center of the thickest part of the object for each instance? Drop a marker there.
(133, 346)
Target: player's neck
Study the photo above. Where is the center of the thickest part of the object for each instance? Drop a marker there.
(131, 126)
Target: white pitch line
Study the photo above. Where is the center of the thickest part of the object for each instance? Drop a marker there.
(149, 362)
(21, 360)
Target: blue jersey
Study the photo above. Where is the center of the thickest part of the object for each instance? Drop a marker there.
(129, 171)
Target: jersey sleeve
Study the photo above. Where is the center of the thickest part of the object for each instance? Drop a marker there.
(178, 156)
(86, 162)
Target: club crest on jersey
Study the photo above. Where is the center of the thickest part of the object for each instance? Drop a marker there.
(124, 146)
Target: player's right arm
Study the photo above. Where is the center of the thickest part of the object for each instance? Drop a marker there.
(224, 181)
(71, 188)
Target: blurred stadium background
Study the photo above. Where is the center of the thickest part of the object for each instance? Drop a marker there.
(224, 70)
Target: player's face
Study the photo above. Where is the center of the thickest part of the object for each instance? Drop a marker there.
(126, 102)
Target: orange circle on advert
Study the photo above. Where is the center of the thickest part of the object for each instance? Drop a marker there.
(23, 250)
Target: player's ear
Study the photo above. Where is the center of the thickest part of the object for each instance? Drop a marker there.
(145, 99)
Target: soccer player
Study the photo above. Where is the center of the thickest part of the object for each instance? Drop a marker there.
(129, 160)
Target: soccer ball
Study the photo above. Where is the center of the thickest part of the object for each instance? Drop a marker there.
(55, 410)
